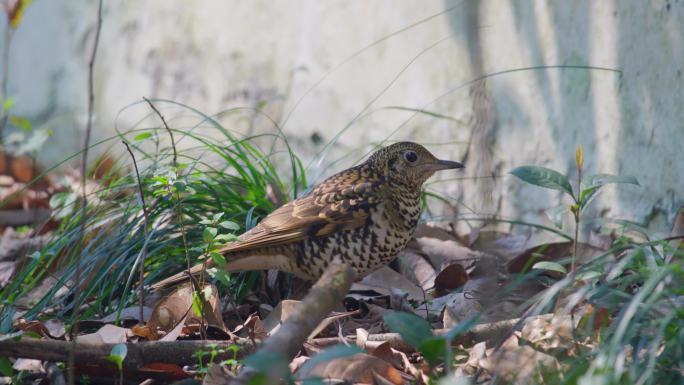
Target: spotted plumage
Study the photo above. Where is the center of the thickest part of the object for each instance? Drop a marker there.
(363, 216)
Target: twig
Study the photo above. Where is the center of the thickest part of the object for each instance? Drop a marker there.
(141, 293)
(179, 213)
(166, 126)
(84, 161)
(138, 353)
(478, 333)
(318, 303)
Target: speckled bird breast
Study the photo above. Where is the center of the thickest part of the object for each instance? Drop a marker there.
(366, 248)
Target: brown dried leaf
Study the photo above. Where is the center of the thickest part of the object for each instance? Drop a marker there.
(171, 309)
(518, 364)
(444, 252)
(504, 245)
(450, 278)
(359, 368)
(51, 328)
(108, 334)
(417, 268)
(384, 280)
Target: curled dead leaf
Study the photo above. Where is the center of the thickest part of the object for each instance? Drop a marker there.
(359, 368)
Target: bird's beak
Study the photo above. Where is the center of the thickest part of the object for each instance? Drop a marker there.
(443, 165)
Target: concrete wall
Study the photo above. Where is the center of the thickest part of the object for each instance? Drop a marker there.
(215, 55)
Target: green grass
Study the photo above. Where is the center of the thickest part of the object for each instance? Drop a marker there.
(217, 173)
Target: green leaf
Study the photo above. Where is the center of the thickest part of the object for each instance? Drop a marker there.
(209, 234)
(218, 259)
(543, 177)
(556, 215)
(6, 367)
(594, 182)
(118, 354)
(22, 123)
(266, 361)
(329, 354)
(587, 275)
(219, 275)
(551, 266)
(413, 329)
(603, 179)
(196, 304)
(229, 225)
(433, 349)
(226, 238)
(142, 136)
(216, 217)
(7, 104)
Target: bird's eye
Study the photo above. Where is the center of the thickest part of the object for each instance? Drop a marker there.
(410, 156)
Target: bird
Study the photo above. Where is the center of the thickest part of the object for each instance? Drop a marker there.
(363, 216)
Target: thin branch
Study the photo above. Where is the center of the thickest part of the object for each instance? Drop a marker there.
(141, 293)
(166, 126)
(138, 353)
(318, 303)
(84, 162)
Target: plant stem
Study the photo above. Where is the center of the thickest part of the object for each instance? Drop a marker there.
(84, 219)
(577, 219)
(141, 293)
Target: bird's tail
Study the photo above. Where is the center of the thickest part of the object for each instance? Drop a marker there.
(175, 279)
(263, 261)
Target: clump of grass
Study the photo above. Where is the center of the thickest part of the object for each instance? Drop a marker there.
(216, 172)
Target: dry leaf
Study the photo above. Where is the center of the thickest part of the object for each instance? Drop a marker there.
(518, 364)
(129, 313)
(450, 278)
(384, 280)
(108, 334)
(441, 252)
(359, 368)
(28, 365)
(51, 328)
(418, 269)
(171, 309)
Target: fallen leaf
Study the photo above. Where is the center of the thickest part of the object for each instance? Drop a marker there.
(504, 245)
(415, 267)
(518, 364)
(108, 334)
(178, 305)
(384, 280)
(129, 313)
(444, 252)
(450, 278)
(28, 365)
(51, 328)
(359, 368)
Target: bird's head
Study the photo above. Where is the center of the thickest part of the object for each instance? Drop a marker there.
(408, 164)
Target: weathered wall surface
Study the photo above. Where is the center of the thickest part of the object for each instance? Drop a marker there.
(269, 54)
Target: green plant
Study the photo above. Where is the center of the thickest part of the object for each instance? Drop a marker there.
(584, 192)
(417, 332)
(117, 356)
(216, 172)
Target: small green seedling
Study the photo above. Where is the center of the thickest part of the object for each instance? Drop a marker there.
(581, 196)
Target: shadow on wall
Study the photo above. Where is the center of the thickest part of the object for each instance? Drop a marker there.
(540, 116)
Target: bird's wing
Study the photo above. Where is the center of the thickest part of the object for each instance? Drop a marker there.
(342, 202)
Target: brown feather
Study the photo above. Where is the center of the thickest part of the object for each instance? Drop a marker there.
(343, 205)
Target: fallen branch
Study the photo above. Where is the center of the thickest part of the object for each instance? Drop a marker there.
(318, 303)
(139, 353)
(478, 333)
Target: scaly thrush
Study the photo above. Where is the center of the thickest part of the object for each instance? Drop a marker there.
(363, 216)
